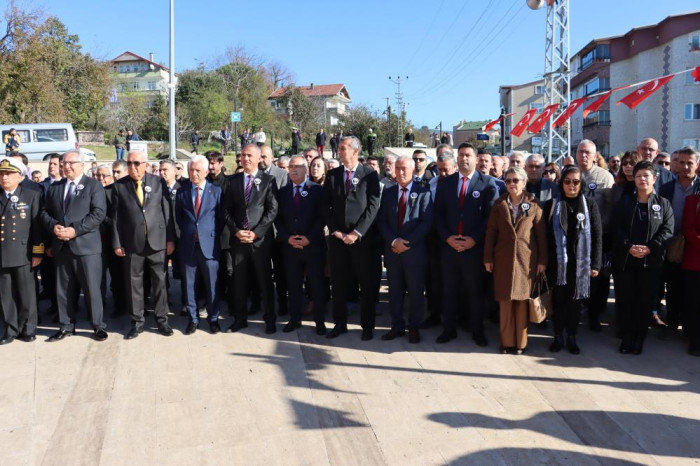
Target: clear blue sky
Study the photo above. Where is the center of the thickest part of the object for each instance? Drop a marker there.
(455, 53)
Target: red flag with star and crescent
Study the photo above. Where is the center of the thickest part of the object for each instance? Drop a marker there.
(570, 110)
(696, 74)
(539, 122)
(522, 124)
(637, 97)
(596, 104)
(493, 123)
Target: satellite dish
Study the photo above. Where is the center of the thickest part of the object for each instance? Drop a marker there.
(535, 4)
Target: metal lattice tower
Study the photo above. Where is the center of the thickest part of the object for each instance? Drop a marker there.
(400, 109)
(557, 77)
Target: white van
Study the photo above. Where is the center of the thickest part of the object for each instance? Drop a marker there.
(40, 139)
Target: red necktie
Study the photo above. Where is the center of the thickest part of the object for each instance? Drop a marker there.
(348, 180)
(197, 203)
(297, 197)
(462, 195)
(402, 210)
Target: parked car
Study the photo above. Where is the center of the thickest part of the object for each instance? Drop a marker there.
(40, 139)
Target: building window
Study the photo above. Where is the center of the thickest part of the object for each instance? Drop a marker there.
(601, 52)
(538, 106)
(692, 111)
(135, 85)
(596, 85)
(152, 86)
(694, 43)
(539, 90)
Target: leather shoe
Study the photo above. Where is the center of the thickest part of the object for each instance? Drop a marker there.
(336, 332)
(100, 334)
(430, 322)
(237, 325)
(367, 334)
(191, 328)
(291, 326)
(480, 340)
(320, 328)
(557, 344)
(165, 330)
(60, 335)
(27, 338)
(133, 333)
(446, 336)
(270, 328)
(413, 336)
(214, 327)
(6, 340)
(571, 345)
(393, 333)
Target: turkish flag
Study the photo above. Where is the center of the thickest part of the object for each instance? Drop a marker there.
(542, 119)
(522, 124)
(637, 97)
(596, 104)
(493, 123)
(696, 74)
(570, 110)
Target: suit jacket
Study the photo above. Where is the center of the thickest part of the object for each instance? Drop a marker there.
(480, 197)
(207, 227)
(261, 211)
(547, 190)
(21, 234)
(665, 177)
(669, 187)
(355, 210)
(86, 211)
(307, 220)
(135, 226)
(417, 223)
(26, 183)
(281, 176)
(222, 182)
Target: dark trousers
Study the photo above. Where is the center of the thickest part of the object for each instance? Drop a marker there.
(18, 300)
(356, 258)
(296, 261)
(209, 269)
(406, 279)
(225, 276)
(115, 264)
(434, 279)
(247, 258)
(463, 272)
(691, 310)
(675, 292)
(136, 267)
(278, 270)
(637, 288)
(600, 290)
(73, 273)
(48, 281)
(567, 310)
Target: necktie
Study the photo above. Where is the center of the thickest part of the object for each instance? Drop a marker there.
(348, 180)
(462, 195)
(139, 192)
(402, 209)
(197, 203)
(69, 196)
(247, 194)
(297, 197)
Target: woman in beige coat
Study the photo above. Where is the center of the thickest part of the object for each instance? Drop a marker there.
(515, 251)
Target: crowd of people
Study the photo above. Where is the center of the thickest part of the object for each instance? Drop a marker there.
(466, 236)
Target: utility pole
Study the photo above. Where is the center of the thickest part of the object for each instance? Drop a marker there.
(171, 84)
(400, 106)
(388, 120)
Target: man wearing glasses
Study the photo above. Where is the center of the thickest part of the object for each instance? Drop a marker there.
(73, 211)
(648, 148)
(421, 175)
(614, 165)
(143, 232)
(542, 188)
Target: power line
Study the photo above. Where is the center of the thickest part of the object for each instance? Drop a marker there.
(422, 42)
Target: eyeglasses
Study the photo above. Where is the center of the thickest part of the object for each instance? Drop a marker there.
(532, 166)
(550, 172)
(71, 163)
(102, 176)
(512, 180)
(628, 163)
(134, 164)
(663, 163)
(418, 160)
(572, 181)
(297, 167)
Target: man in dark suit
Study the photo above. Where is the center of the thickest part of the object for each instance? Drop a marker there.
(218, 178)
(405, 219)
(26, 182)
(421, 174)
(300, 231)
(542, 188)
(21, 250)
(250, 207)
(200, 219)
(485, 165)
(351, 202)
(73, 211)
(281, 178)
(166, 170)
(462, 206)
(143, 232)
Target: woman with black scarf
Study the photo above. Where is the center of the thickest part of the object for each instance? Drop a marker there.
(575, 242)
(644, 223)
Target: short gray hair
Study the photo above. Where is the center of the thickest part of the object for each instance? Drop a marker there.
(355, 143)
(520, 172)
(390, 156)
(298, 156)
(446, 156)
(120, 163)
(587, 141)
(195, 159)
(441, 147)
(401, 158)
(167, 162)
(140, 152)
(104, 165)
(283, 158)
(81, 157)
(516, 152)
(534, 158)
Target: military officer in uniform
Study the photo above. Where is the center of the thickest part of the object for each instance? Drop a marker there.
(21, 250)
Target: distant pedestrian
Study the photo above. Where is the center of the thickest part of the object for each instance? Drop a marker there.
(194, 141)
(130, 136)
(12, 141)
(260, 137)
(409, 138)
(321, 141)
(225, 137)
(334, 145)
(371, 139)
(296, 139)
(119, 143)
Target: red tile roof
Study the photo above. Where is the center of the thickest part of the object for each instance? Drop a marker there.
(316, 90)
